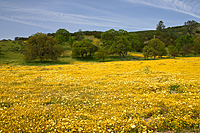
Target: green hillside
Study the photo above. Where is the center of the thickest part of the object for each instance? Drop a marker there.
(11, 51)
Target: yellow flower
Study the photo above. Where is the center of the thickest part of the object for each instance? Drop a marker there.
(133, 126)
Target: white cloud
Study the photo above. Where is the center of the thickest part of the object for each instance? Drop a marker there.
(33, 16)
(190, 7)
(38, 14)
(42, 18)
(56, 13)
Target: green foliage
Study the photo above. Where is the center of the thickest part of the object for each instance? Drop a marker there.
(160, 26)
(161, 51)
(135, 42)
(176, 89)
(92, 49)
(155, 48)
(148, 52)
(112, 43)
(173, 51)
(122, 32)
(83, 48)
(42, 46)
(168, 36)
(62, 36)
(10, 52)
(191, 26)
(184, 44)
(120, 46)
(101, 54)
(196, 47)
(107, 38)
(71, 41)
(96, 34)
(21, 38)
(116, 42)
(79, 36)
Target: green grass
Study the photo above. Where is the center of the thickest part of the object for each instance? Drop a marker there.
(10, 53)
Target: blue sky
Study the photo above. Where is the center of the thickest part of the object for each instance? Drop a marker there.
(23, 18)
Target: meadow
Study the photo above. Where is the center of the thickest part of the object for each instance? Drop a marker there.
(124, 96)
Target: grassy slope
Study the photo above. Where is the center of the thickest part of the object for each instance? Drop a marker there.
(8, 54)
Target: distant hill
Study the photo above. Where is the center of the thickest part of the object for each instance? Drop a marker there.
(168, 35)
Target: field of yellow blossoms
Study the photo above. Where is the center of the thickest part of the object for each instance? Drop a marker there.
(127, 96)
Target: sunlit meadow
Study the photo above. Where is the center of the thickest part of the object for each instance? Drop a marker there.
(127, 96)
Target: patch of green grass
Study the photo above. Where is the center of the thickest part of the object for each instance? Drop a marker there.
(6, 104)
(46, 63)
(176, 88)
(10, 52)
(109, 59)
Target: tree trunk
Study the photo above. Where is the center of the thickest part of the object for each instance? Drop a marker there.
(41, 59)
(124, 55)
(120, 56)
(103, 59)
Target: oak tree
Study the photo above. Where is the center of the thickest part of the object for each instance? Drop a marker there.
(191, 25)
(160, 26)
(62, 35)
(196, 47)
(101, 54)
(184, 44)
(158, 47)
(41, 46)
(82, 48)
(173, 51)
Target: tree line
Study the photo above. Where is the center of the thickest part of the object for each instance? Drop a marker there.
(162, 41)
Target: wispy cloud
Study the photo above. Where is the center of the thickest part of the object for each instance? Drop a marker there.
(190, 7)
(25, 14)
(49, 15)
(37, 17)
(43, 17)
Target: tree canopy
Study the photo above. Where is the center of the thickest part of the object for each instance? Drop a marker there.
(135, 42)
(179, 40)
(196, 48)
(41, 46)
(154, 48)
(116, 42)
(160, 26)
(62, 35)
(101, 54)
(191, 25)
(82, 48)
(183, 44)
(173, 51)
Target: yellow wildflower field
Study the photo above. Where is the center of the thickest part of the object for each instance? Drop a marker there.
(126, 96)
